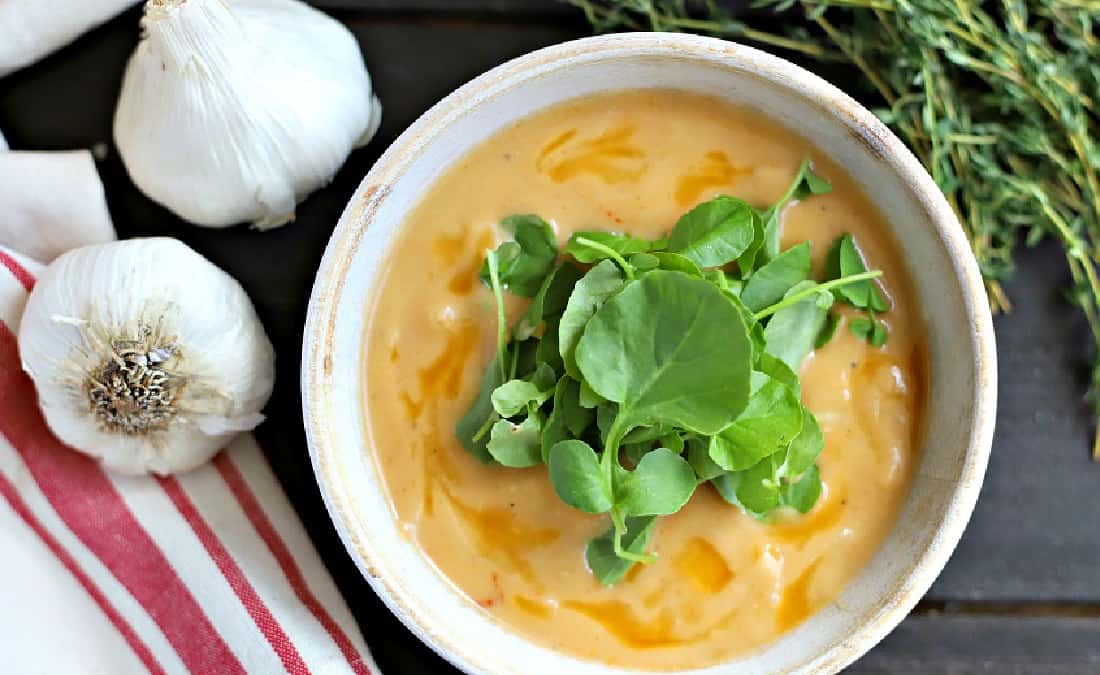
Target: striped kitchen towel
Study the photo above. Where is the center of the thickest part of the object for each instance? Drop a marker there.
(208, 573)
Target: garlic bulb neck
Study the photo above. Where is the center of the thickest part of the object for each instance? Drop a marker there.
(132, 391)
(186, 32)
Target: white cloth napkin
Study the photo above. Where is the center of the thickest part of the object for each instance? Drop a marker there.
(31, 29)
(207, 573)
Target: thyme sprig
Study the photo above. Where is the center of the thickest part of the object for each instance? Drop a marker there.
(999, 100)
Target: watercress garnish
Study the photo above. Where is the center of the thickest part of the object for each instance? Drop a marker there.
(595, 287)
(805, 183)
(606, 564)
(665, 365)
(524, 262)
(843, 260)
(646, 349)
(580, 246)
(769, 283)
(578, 480)
(713, 233)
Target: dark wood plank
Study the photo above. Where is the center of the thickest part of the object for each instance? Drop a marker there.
(1033, 534)
(969, 645)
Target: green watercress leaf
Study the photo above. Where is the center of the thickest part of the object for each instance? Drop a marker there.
(660, 485)
(624, 245)
(869, 329)
(525, 262)
(673, 441)
(828, 330)
(547, 350)
(805, 183)
(605, 417)
(878, 334)
(514, 395)
(748, 261)
(803, 494)
(755, 328)
(770, 421)
(792, 331)
(769, 283)
(544, 378)
(755, 490)
(633, 452)
(698, 456)
(804, 449)
(717, 277)
(549, 301)
(844, 259)
(861, 327)
(577, 418)
(555, 429)
(644, 262)
(877, 302)
(609, 568)
(713, 233)
(776, 369)
(478, 414)
(526, 363)
(600, 283)
(674, 262)
(669, 349)
(577, 478)
(589, 398)
(650, 433)
(517, 445)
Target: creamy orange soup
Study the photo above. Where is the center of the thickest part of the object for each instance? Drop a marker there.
(724, 583)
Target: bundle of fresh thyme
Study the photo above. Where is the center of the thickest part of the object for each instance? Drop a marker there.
(1000, 101)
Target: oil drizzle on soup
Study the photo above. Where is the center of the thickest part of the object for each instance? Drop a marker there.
(724, 583)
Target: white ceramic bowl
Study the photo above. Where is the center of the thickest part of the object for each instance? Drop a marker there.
(953, 301)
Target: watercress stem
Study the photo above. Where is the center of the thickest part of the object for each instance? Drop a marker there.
(619, 521)
(502, 321)
(627, 268)
(484, 428)
(798, 297)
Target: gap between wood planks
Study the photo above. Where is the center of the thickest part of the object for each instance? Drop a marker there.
(1068, 610)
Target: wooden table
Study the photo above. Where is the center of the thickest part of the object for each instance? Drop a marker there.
(1022, 593)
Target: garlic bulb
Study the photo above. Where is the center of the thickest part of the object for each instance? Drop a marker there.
(234, 112)
(30, 29)
(145, 354)
(52, 202)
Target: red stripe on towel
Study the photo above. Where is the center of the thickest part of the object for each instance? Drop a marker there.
(23, 511)
(278, 548)
(252, 602)
(88, 503)
(25, 278)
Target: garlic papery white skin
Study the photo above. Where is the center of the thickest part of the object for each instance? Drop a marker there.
(234, 112)
(51, 202)
(145, 355)
(30, 29)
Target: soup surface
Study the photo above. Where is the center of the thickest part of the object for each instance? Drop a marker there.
(724, 583)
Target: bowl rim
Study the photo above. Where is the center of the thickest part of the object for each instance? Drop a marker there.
(912, 581)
